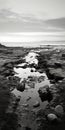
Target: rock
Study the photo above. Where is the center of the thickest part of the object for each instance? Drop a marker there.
(51, 117)
(11, 89)
(6, 73)
(27, 128)
(15, 105)
(25, 66)
(52, 81)
(45, 93)
(31, 84)
(40, 71)
(41, 78)
(58, 64)
(18, 98)
(9, 65)
(21, 87)
(19, 125)
(40, 112)
(63, 55)
(37, 104)
(25, 105)
(59, 110)
(50, 63)
(56, 74)
(32, 70)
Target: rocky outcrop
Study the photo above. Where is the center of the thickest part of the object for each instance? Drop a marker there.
(56, 74)
(45, 93)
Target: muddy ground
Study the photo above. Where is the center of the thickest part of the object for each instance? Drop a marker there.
(51, 60)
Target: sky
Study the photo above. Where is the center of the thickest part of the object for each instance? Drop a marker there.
(40, 8)
(27, 16)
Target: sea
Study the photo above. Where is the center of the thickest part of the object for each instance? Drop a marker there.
(32, 39)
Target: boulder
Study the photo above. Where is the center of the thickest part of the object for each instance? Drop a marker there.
(51, 117)
(45, 93)
(21, 87)
(58, 64)
(63, 55)
(59, 110)
(57, 74)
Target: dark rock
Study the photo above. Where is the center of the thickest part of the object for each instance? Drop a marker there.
(27, 128)
(41, 78)
(21, 86)
(15, 104)
(7, 72)
(9, 66)
(32, 70)
(52, 81)
(63, 55)
(18, 61)
(58, 64)
(45, 93)
(56, 74)
(40, 70)
(18, 98)
(19, 125)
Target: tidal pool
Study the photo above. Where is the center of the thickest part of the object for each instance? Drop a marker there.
(34, 80)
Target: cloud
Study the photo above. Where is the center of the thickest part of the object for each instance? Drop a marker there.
(13, 22)
(57, 23)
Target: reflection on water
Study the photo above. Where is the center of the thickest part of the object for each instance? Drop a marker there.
(24, 73)
(31, 58)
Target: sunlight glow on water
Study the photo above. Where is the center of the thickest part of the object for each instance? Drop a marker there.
(31, 58)
(29, 38)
